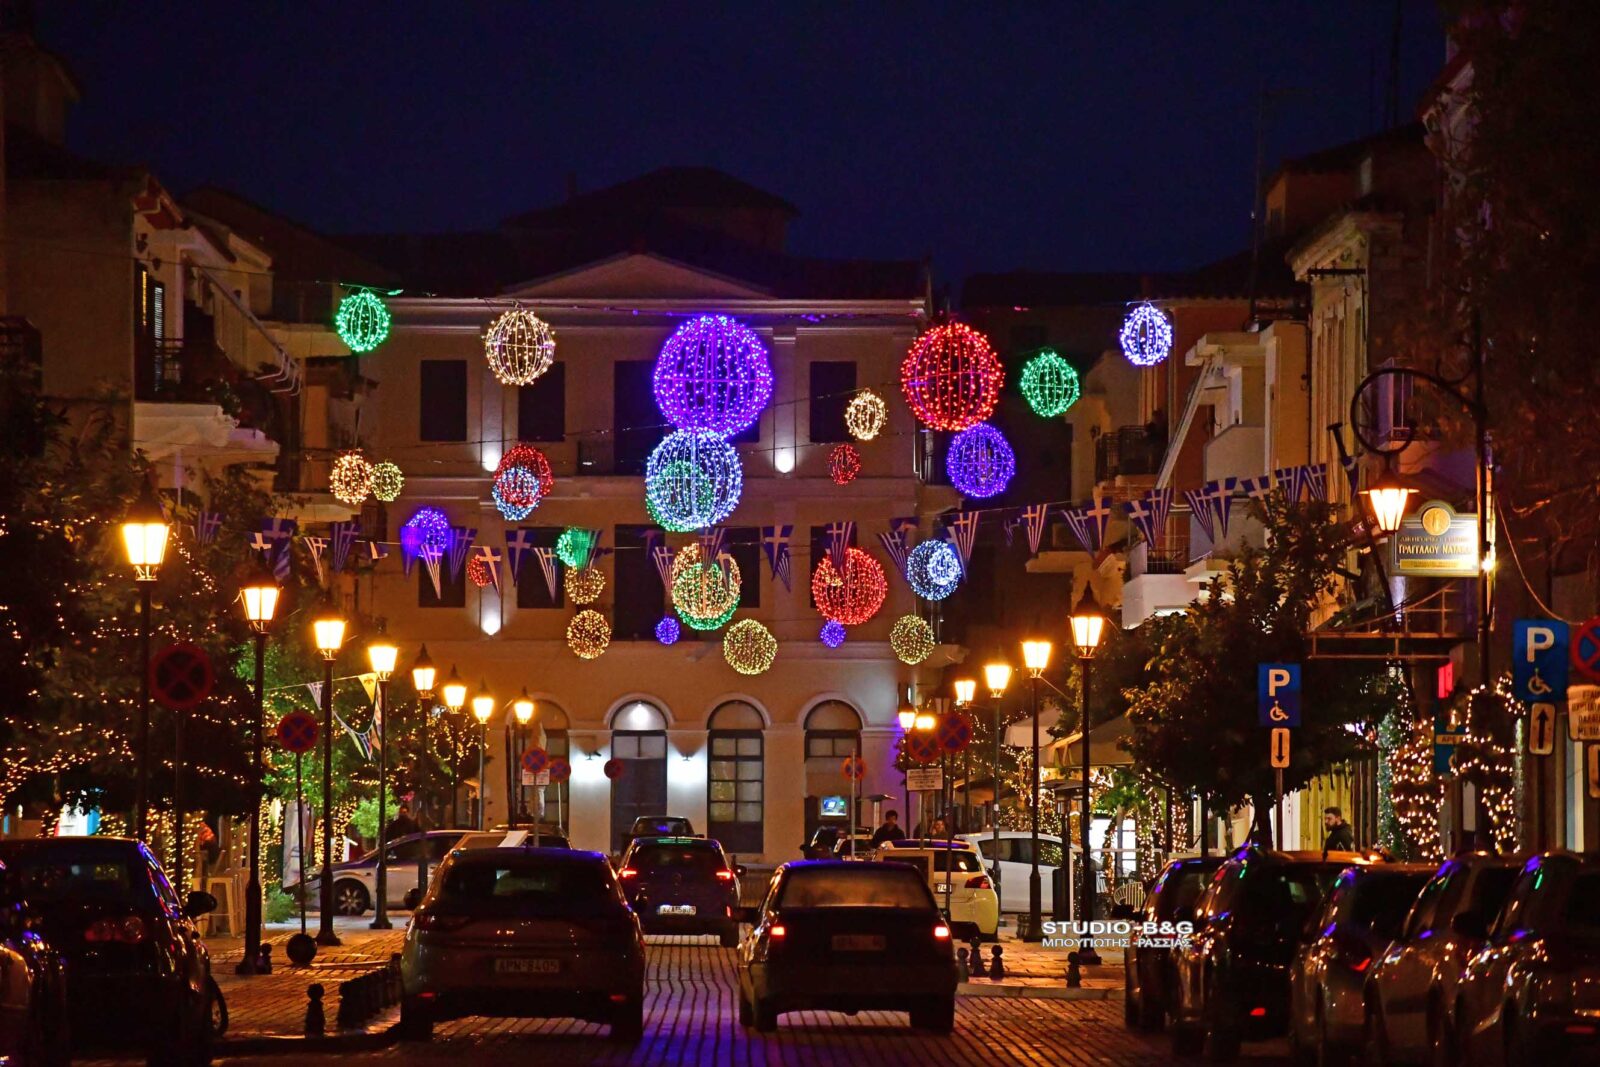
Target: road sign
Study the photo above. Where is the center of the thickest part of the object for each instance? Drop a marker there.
(1278, 694)
(613, 768)
(1592, 763)
(1280, 746)
(954, 732)
(297, 732)
(1542, 729)
(854, 769)
(1445, 739)
(1586, 650)
(180, 676)
(922, 746)
(1583, 712)
(560, 770)
(535, 760)
(1539, 660)
(924, 779)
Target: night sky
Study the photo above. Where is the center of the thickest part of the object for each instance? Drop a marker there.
(1065, 136)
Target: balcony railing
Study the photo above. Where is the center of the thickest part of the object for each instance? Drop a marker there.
(1127, 450)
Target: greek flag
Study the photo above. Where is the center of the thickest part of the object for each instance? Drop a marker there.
(343, 536)
(1036, 516)
(1148, 514)
(316, 546)
(840, 534)
(207, 524)
(518, 543)
(460, 540)
(775, 543)
(962, 530)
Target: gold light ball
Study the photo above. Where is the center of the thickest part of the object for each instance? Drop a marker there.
(866, 415)
(350, 480)
(749, 647)
(588, 634)
(911, 638)
(387, 481)
(705, 594)
(519, 346)
(584, 586)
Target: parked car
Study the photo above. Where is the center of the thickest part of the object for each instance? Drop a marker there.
(1010, 863)
(1532, 992)
(1147, 962)
(523, 932)
(1356, 924)
(1233, 973)
(838, 936)
(34, 1027)
(1410, 994)
(661, 826)
(138, 974)
(501, 837)
(682, 885)
(971, 904)
(864, 848)
(355, 882)
(824, 838)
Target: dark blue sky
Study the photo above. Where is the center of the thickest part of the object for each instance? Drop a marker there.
(1066, 136)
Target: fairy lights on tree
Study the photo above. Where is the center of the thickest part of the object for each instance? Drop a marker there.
(933, 569)
(844, 463)
(951, 377)
(692, 480)
(705, 594)
(713, 374)
(350, 479)
(1146, 335)
(749, 647)
(980, 461)
(519, 346)
(1049, 384)
(911, 639)
(853, 597)
(866, 415)
(362, 321)
(588, 634)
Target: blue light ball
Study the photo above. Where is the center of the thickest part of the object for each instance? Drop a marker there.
(668, 630)
(832, 634)
(933, 570)
(980, 462)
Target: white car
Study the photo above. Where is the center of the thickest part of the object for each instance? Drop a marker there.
(355, 882)
(1010, 861)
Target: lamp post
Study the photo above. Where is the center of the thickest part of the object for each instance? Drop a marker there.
(260, 600)
(455, 698)
(966, 689)
(381, 656)
(328, 629)
(907, 717)
(423, 674)
(1088, 626)
(482, 708)
(144, 541)
(1036, 657)
(996, 676)
(522, 707)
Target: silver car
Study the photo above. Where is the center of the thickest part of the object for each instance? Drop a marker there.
(523, 932)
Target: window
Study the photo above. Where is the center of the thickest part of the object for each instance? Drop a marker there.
(640, 600)
(819, 552)
(532, 590)
(442, 395)
(542, 407)
(452, 587)
(744, 545)
(830, 744)
(635, 420)
(833, 385)
(631, 745)
(735, 777)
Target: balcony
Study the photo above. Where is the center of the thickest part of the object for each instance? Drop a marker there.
(1125, 451)
(190, 398)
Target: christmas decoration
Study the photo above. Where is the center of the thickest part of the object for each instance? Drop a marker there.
(866, 415)
(844, 463)
(668, 630)
(980, 462)
(575, 546)
(1146, 336)
(515, 493)
(705, 594)
(1049, 384)
(713, 374)
(853, 597)
(588, 634)
(519, 346)
(350, 480)
(387, 481)
(911, 638)
(951, 377)
(525, 455)
(584, 585)
(431, 529)
(933, 570)
(478, 572)
(362, 321)
(833, 633)
(692, 480)
(749, 647)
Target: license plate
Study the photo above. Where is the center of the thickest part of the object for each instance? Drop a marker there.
(941, 889)
(858, 943)
(676, 909)
(521, 966)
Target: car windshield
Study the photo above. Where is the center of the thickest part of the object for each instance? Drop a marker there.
(940, 860)
(526, 886)
(1384, 897)
(675, 859)
(1180, 888)
(647, 827)
(858, 886)
(1490, 889)
(101, 877)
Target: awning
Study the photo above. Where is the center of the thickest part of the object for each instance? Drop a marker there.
(1105, 749)
(1020, 733)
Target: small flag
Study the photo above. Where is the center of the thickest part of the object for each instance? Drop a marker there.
(962, 530)
(460, 540)
(377, 551)
(342, 535)
(840, 535)
(207, 525)
(1317, 480)
(1008, 525)
(1291, 482)
(775, 543)
(273, 543)
(316, 546)
(518, 543)
(432, 557)
(491, 560)
(1200, 505)
(316, 692)
(547, 564)
(1036, 516)
(661, 556)
(896, 541)
(1256, 488)
(713, 543)
(1148, 514)
(1219, 494)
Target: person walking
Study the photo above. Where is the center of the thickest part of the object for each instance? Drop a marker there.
(1341, 838)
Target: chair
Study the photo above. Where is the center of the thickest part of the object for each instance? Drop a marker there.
(227, 888)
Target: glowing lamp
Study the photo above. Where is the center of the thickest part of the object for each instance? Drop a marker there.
(455, 691)
(1036, 656)
(260, 600)
(926, 721)
(1088, 624)
(997, 676)
(328, 631)
(966, 689)
(144, 535)
(423, 672)
(522, 707)
(381, 655)
(907, 717)
(482, 703)
(1388, 498)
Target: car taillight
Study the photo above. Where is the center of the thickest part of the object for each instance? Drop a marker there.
(777, 933)
(980, 881)
(428, 920)
(627, 872)
(128, 930)
(1360, 966)
(941, 932)
(726, 876)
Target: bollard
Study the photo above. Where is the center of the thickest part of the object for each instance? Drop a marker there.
(264, 960)
(976, 958)
(961, 964)
(316, 1023)
(997, 966)
(1074, 973)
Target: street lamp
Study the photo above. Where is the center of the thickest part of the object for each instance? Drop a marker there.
(382, 656)
(144, 540)
(482, 708)
(328, 631)
(455, 691)
(996, 676)
(1088, 627)
(907, 717)
(1035, 657)
(1388, 497)
(423, 674)
(260, 600)
(966, 689)
(522, 708)
(925, 721)
(455, 698)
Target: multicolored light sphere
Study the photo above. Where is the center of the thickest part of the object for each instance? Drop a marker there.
(478, 572)
(866, 415)
(705, 595)
(350, 479)
(387, 481)
(584, 585)
(668, 630)
(431, 529)
(832, 634)
(520, 346)
(515, 493)
(575, 547)
(713, 374)
(853, 597)
(1049, 384)
(362, 321)
(980, 461)
(692, 480)
(933, 570)
(588, 634)
(911, 639)
(951, 377)
(522, 454)
(749, 647)
(844, 463)
(1146, 335)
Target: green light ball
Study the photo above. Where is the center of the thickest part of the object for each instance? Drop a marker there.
(573, 547)
(1049, 384)
(362, 321)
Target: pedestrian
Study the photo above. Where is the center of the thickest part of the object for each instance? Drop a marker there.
(402, 825)
(1341, 838)
(940, 830)
(889, 831)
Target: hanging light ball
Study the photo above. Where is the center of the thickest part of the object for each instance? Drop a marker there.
(429, 528)
(980, 461)
(951, 377)
(515, 492)
(933, 570)
(713, 374)
(584, 585)
(520, 346)
(362, 321)
(692, 480)
(1146, 335)
(844, 463)
(866, 415)
(911, 638)
(525, 455)
(588, 634)
(387, 481)
(705, 594)
(1049, 384)
(668, 630)
(350, 480)
(575, 547)
(478, 572)
(853, 597)
(832, 633)
(749, 647)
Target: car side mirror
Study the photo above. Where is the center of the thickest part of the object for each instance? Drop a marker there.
(197, 904)
(1123, 911)
(413, 898)
(738, 869)
(1470, 924)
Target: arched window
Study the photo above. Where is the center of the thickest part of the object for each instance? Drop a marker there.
(833, 733)
(734, 777)
(639, 740)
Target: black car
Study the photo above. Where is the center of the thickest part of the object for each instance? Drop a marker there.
(661, 826)
(1147, 962)
(1233, 973)
(833, 935)
(682, 885)
(33, 988)
(138, 974)
(826, 838)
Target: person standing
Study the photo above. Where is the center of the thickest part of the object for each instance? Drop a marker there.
(402, 825)
(889, 831)
(1341, 838)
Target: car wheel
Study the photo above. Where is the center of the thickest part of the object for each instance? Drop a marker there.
(627, 1020)
(1374, 1045)
(729, 935)
(350, 898)
(766, 1014)
(746, 1016)
(416, 1024)
(938, 1016)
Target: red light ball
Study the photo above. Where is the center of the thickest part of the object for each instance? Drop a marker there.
(844, 463)
(853, 597)
(951, 377)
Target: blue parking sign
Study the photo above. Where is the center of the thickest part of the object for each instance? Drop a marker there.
(1539, 660)
(1278, 694)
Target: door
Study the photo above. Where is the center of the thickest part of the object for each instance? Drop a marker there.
(641, 788)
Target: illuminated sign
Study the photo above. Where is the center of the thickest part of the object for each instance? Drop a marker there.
(1437, 543)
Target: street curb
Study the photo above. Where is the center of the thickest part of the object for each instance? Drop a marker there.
(369, 1040)
(1037, 992)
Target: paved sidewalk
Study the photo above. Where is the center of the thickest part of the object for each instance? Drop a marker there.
(1035, 970)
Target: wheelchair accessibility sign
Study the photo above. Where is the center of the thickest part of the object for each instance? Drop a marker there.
(1278, 694)
(1539, 660)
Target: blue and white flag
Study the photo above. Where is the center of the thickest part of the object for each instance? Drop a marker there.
(432, 558)
(460, 540)
(1220, 496)
(1200, 507)
(1037, 516)
(547, 565)
(1316, 480)
(962, 531)
(839, 535)
(896, 541)
(491, 560)
(207, 525)
(273, 543)
(1352, 474)
(1009, 522)
(713, 543)
(1088, 523)
(1148, 514)
(317, 546)
(342, 536)
(775, 543)
(1257, 488)
(519, 543)
(377, 551)
(1292, 481)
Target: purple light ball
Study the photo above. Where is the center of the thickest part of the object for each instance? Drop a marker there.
(980, 461)
(668, 630)
(832, 634)
(713, 374)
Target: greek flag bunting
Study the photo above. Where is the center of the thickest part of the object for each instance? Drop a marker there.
(1036, 516)
(547, 564)
(491, 560)
(316, 546)
(1200, 506)
(962, 531)
(1148, 514)
(342, 535)
(775, 543)
(207, 525)
(518, 543)
(460, 541)
(840, 535)
(1316, 480)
